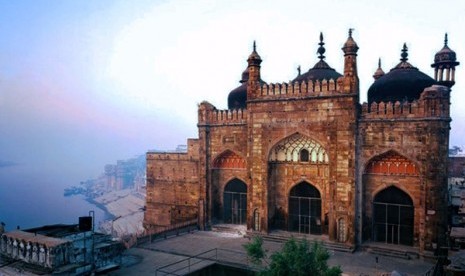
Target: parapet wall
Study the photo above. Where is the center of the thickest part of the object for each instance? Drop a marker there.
(434, 102)
(310, 88)
(173, 156)
(215, 116)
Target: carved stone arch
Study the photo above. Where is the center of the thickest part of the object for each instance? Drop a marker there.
(393, 216)
(289, 150)
(235, 201)
(392, 163)
(229, 159)
(233, 179)
(304, 209)
(380, 189)
(304, 181)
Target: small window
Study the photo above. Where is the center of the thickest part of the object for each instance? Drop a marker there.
(304, 155)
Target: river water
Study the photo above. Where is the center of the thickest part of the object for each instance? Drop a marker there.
(30, 198)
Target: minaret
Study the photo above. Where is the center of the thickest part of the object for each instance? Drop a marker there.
(351, 81)
(379, 72)
(444, 65)
(254, 62)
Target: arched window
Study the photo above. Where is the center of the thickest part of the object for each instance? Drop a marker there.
(297, 146)
(304, 155)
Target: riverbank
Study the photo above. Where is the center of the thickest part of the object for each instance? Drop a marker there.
(106, 214)
(125, 212)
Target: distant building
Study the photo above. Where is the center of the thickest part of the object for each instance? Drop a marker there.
(306, 156)
(129, 173)
(68, 249)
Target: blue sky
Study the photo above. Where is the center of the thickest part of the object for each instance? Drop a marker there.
(84, 83)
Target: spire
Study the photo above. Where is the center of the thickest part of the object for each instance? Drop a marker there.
(445, 40)
(253, 68)
(379, 72)
(350, 46)
(321, 49)
(404, 54)
(254, 57)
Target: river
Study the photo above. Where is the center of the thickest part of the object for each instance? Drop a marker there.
(30, 198)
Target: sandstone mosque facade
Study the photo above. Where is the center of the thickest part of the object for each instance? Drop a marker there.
(306, 156)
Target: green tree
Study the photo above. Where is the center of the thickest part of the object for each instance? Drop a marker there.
(296, 258)
(255, 250)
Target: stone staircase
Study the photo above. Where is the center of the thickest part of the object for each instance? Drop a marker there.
(391, 251)
(283, 236)
(380, 249)
(230, 229)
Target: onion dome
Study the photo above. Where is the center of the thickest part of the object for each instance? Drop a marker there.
(379, 72)
(237, 98)
(321, 70)
(444, 63)
(403, 83)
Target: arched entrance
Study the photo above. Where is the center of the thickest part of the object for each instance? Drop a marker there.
(393, 215)
(235, 202)
(304, 209)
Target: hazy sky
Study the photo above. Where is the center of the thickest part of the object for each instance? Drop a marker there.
(84, 83)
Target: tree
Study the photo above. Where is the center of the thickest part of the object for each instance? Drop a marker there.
(296, 258)
(255, 250)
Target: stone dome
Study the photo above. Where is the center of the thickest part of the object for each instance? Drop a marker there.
(237, 98)
(403, 83)
(321, 70)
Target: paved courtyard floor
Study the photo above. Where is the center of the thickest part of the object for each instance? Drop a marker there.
(227, 247)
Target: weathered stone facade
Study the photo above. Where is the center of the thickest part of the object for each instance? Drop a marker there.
(306, 156)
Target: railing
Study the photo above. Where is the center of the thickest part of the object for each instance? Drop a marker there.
(205, 259)
(174, 229)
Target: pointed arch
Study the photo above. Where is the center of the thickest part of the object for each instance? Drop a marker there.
(391, 163)
(304, 209)
(393, 216)
(298, 148)
(235, 202)
(229, 160)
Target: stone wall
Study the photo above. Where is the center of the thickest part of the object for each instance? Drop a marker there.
(172, 188)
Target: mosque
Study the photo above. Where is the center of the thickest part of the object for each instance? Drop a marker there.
(306, 156)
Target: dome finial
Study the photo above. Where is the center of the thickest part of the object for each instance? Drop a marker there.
(350, 31)
(254, 46)
(379, 72)
(445, 39)
(321, 49)
(404, 54)
(298, 70)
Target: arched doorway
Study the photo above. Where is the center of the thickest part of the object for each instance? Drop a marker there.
(304, 209)
(393, 215)
(235, 202)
